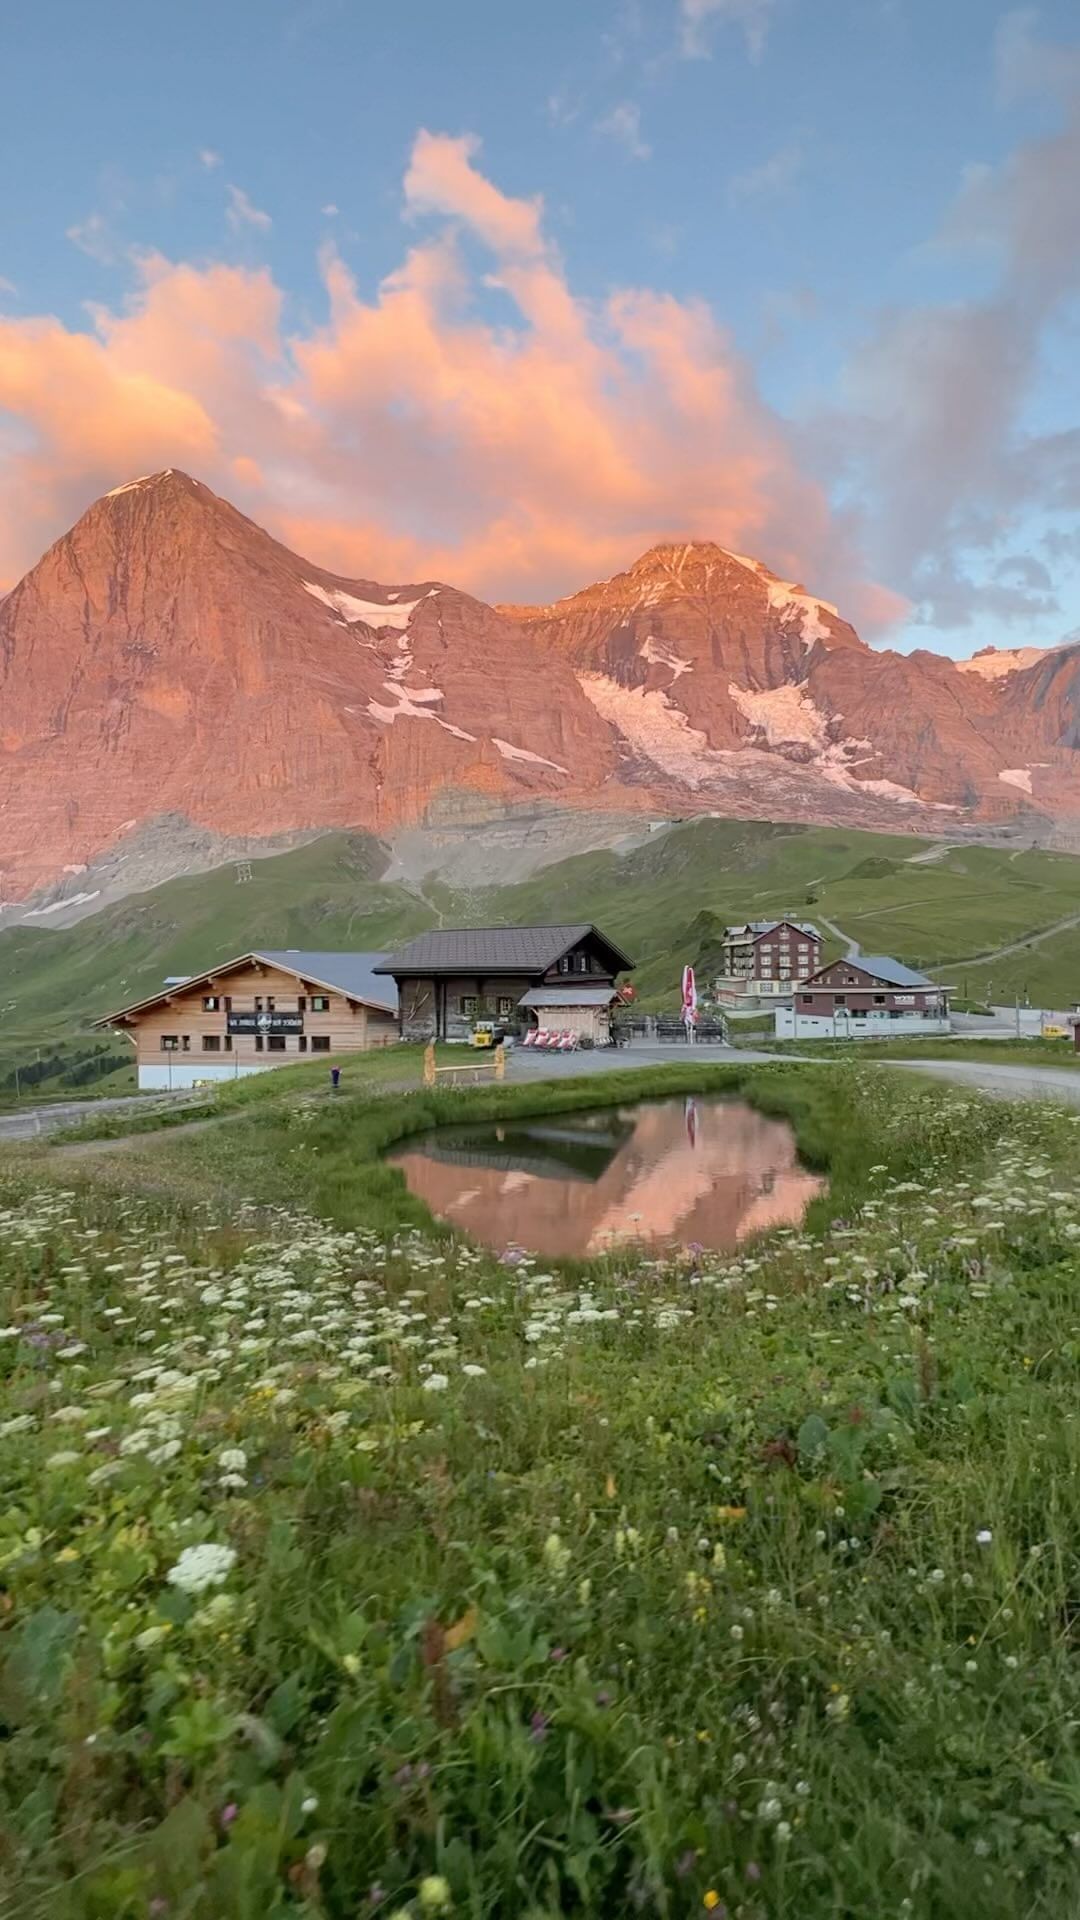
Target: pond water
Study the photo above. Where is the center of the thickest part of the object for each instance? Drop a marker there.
(668, 1172)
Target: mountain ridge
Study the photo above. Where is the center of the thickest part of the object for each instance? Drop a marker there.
(169, 661)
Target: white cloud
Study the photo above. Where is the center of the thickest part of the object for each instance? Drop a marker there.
(330, 209)
(243, 213)
(209, 159)
(92, 236)
(753, 16)
(623, 124)
(771, 178)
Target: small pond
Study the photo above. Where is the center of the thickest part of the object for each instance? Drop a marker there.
(667, 1172)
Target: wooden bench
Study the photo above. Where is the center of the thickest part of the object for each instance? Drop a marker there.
(496, 1066)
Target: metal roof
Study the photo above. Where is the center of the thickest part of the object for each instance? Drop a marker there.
(568, 996)
(769, 926)
(892, 973)
(493, 950)
(351, 973)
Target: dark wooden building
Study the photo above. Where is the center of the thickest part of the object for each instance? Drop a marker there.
(561, 977)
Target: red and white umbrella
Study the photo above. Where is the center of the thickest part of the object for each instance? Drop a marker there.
(689, 995)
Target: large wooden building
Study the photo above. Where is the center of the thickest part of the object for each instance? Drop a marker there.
(866, 996)
(268, 1009)
(556, 977)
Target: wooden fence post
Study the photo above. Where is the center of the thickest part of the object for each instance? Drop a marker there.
(429, 1064)
(500, 1062)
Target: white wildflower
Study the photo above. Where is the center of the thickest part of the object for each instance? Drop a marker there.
(200, 1568)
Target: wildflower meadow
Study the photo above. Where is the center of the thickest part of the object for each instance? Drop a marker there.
(347, 1569)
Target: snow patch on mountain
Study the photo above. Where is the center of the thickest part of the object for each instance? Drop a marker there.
(57, 906)
(994, 663)
(412, 703)
(128, 486)
(658, 655)
(659, 731)
(785, 715)
(372, 612)
(522, 753)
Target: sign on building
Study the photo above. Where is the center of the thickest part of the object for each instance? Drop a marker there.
(265, 1023)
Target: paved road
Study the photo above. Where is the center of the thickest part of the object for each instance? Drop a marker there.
(1007, 1082)
(27, 1123)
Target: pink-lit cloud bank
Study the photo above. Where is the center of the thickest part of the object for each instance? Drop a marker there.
(477, 420)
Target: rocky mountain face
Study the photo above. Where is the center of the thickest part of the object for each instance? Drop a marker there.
(168, 661)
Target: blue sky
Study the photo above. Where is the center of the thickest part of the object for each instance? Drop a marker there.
(854, 221)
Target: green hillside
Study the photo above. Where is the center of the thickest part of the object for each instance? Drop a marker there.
(938, 908)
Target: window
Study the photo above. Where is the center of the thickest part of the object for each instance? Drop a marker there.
(301, 1003)
(276, 1042)
(258, 1003)
(228, 1043)
(170, 1043)
(879, 999)
(807, 999)
(320, 1043)
(320, 1003)
(270, 1003)
(211, 1043)
(504, 1006)
(841, 999)
(468, 1005)
(211, 1003)
(564, 963)
(302, 1043)
(258, 1043)
(185, 1043)
(228, 1003)
(583, 963)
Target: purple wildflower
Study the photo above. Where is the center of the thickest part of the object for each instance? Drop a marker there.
(538, 1726)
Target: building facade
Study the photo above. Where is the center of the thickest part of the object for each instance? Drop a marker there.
(261, 1010)
(767, 958)
(520, 977)
(867, 996)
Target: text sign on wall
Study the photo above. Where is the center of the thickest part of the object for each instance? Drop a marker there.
(265, 1023)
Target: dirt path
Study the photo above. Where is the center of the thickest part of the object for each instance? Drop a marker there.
(1013, 946)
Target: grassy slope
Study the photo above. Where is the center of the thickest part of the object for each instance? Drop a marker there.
(927, 913)
(759, 1597)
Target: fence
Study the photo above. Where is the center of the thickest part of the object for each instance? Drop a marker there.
(494, 1064)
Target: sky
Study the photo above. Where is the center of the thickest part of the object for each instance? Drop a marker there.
(504, 294)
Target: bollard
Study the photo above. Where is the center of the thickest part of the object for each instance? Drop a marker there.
(429, 1064)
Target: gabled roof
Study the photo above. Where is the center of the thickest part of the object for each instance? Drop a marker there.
(759, 927)
(350, 973)
(528, 950)
(893, 971)
(879, 966)
(355, 974)
(571, 995)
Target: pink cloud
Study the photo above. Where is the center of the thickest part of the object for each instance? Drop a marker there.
(519, 452)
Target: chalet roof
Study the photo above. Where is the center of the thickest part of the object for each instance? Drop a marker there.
(350, 973)
(892, 971)
(528, 950)
(570, 995)
(759, 927)
(881, 966)
(355, 974)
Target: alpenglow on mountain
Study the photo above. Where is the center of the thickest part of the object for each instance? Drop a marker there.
(168, 667)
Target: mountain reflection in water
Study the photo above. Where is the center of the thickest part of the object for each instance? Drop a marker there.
(708, 1172)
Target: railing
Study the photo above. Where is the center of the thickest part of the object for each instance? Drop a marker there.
(495, 1065)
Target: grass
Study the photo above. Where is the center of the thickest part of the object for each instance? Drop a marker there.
(1004, 1052)
(742, 1583)
(666, 902)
